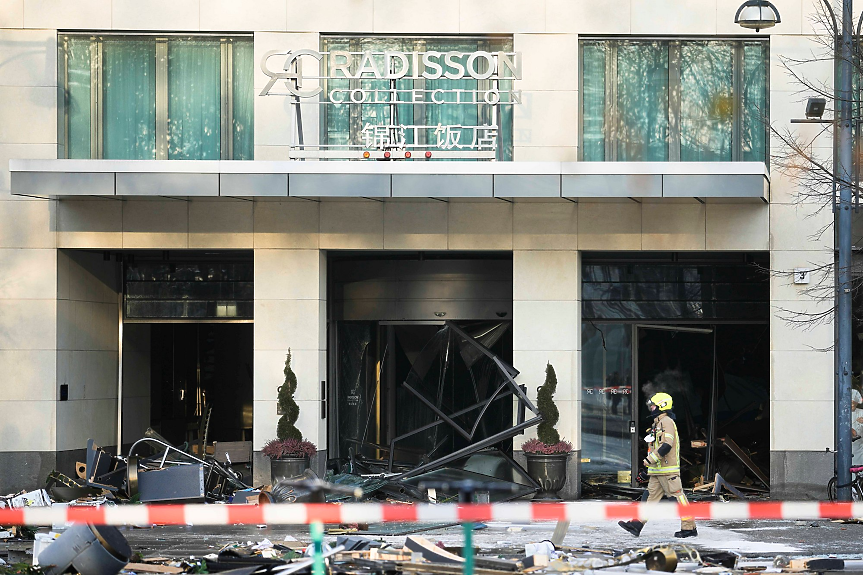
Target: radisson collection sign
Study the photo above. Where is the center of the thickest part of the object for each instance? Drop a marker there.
(342, 78)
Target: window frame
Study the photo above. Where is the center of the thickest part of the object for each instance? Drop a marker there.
(484, 112)
(612, 116)
(226, 116)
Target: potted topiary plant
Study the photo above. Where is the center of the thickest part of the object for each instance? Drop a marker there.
(547, 454)
(290, 453)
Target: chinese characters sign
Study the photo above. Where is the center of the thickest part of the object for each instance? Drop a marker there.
(389, 80)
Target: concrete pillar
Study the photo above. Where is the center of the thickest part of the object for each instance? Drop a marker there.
(290, 312)
(546, 329)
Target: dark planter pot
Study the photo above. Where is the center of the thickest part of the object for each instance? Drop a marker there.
(549, 471)
(287, 468)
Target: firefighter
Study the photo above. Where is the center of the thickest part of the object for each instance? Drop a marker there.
(663, 464)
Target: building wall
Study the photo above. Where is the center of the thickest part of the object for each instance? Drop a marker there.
(87, 353)
(290, 238)
(28, 260)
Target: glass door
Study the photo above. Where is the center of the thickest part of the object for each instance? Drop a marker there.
(607, 421)
(679, 361)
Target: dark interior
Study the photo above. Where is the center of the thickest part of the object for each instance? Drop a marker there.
(201, 366)
(681, 363)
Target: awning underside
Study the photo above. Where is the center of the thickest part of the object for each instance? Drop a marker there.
(393, 179)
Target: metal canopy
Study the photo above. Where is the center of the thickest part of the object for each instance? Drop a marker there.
(705, 181)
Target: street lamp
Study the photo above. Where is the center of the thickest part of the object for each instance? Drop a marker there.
(757, 15)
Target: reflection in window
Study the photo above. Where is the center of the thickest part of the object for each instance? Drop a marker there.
(189, 290)
(344, 123)
(678, 100)
(642, 99)
(675, 291)
(146, 98)
(706, 102)
(606, 395)
(128, 100)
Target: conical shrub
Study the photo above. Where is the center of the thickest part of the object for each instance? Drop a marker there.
(286, 428)
(546, 432)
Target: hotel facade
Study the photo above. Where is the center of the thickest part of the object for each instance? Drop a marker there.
(190, 188)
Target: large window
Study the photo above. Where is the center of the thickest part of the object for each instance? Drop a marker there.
(199, 287)
(344, 124)
(678, 287)
(677, 100)
(152, 98)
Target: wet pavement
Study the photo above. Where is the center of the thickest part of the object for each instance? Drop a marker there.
(756, 539)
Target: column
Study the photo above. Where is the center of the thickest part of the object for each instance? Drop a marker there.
(290, 312)
(546, 329)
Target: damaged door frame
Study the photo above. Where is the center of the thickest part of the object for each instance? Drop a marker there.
(711, 427)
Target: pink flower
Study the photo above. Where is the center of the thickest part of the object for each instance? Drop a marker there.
(537, 446)
(279, 448)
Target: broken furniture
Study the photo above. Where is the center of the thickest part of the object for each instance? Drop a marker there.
(237, 455)
(177, 484)
(219, 481)
(103, 470)
(165, 474)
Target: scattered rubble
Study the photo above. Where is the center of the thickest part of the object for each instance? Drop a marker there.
(156, 471)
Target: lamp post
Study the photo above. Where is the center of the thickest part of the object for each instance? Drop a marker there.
(842, 171)
(759, 14)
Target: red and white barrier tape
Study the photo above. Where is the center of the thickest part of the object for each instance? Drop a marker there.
(304, 513)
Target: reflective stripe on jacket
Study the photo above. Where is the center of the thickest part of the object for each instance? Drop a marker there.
(665, 431)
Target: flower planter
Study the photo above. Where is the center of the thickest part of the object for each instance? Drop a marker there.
(549, 471)
(287, 468)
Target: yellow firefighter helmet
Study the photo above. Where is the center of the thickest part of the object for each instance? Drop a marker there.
(662, 401)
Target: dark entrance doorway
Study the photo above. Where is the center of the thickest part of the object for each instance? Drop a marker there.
(692, 325)
(718, 377)
(200, 370)
(679, 361)
(187, 345)
(391, 377)
(419, 348)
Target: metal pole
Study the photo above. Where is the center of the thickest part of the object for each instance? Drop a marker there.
(843, 297)
(120, 360)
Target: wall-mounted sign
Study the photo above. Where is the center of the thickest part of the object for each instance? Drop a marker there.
(393, 79)
(391, 65)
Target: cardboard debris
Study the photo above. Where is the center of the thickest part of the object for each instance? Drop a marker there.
(37, 498)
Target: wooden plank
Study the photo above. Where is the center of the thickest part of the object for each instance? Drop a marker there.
(446, 569)
(430, 551)
(704, 487)
(152, 568)
(735, 449)
(559, 533)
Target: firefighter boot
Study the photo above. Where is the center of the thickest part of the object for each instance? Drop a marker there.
(686, 533)
(634, 527)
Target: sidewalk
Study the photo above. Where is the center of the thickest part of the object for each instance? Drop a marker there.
(764, 539)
